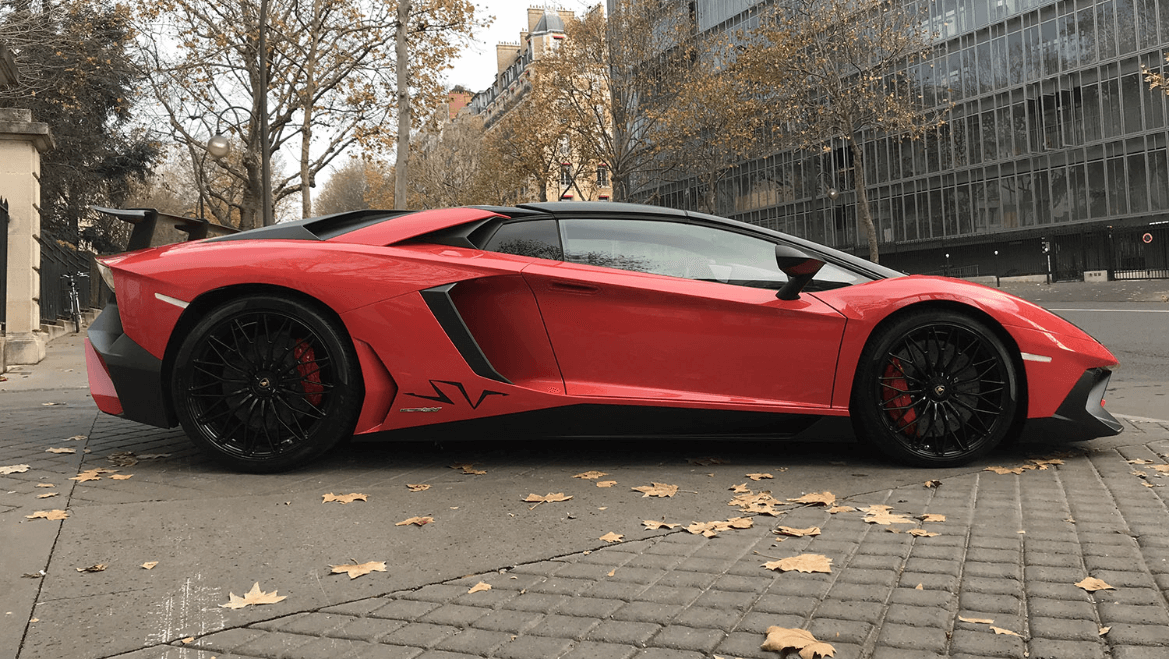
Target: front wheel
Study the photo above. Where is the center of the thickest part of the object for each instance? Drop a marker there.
(936, 388)
(266, 383)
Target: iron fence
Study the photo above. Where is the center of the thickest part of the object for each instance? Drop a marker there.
(59, 258)
(3, 259)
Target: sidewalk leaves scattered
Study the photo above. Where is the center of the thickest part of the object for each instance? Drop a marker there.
(797, 533)
(606, 483)
(344, 498)
(781, 639)
(880, 514)
(932, 483)
(932, 517)
(45, 485)
(417, 521)
(418, 487)
(91, 474)
(712, 529)
(654, 525)
(77, 438)
(841, 509)
(590, 475)
(826, 499)
(807, 563)
(656, 490)
(355, 569)
(757, 477)
(1161, 469)
(123, 458)
(1093, 584)
(742, 488)
(479, 588)
(612, 537)
(1140, 461)
(100, 567)
(1101, 631)
(60, 450)
(551, 497)
(920, 533)
(977, 621)
(254, 596)
(122, 477)
(46, 495)
(468, 468)
(48, 514)
(149, 565)
(1001, 631)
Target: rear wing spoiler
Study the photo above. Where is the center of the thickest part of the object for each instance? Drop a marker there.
(152, 228)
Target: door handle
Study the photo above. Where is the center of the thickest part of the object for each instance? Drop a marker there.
(573, 287)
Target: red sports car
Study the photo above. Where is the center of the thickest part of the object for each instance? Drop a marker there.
(573, 319)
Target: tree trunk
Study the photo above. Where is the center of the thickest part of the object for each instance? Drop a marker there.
(863, 214)
(401, 161)
(309, 92)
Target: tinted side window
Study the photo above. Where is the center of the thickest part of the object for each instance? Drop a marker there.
(535, 238)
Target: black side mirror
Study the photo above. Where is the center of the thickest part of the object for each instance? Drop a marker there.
(800, 268)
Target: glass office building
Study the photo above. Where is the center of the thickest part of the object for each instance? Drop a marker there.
(1054, 139)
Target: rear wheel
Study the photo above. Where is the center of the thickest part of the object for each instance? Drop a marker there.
(936, 388)
(266, 383)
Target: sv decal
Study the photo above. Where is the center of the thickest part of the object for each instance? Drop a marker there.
(441, 397)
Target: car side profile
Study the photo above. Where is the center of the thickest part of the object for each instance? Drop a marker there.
(566, 319)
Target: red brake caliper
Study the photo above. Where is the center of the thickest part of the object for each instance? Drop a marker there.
(894, 377)
(310, 373)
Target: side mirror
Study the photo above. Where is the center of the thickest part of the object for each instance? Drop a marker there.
(800, 268)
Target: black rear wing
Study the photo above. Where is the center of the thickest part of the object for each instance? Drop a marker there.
(152, 228)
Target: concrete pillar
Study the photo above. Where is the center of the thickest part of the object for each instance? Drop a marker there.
(21, 142)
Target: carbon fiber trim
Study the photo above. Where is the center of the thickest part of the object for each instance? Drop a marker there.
(439, 301)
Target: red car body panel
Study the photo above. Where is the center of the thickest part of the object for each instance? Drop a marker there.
(565, 333)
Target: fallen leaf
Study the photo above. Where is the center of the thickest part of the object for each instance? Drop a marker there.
(417, 521)
(1140, 461)
(612, 537)
(1043, 463)
(467, 468)
(797, 533)
(1014, 470)
(590, 475)
(123, 458)
(880, 514)
(551, 497)
(932, 517)
(45, 485)
(711, 529)
(918, 587)
(76, 438)
(1093, 584)
(742, 488)
(149, 565)
(51, 404)
(803, 563)
(417, 487)
(34, 619)
(1161, 469)
(1101, 631)
(1147, 484)
(34, 575)
(656, 490)
(356, 570)
(611, 572)
(91, 474)
(100, 567)
(121, 477)
(755, 503)
(343, 498)
(934, 483)
(479, 588)
(703, 462)
(60, 450)
(841, 509)
(13, 469)
(820, 498)
(606, 483)
(978, 621)
(654, 525)
(1002, 631)
(187, 640)
(780, 639)
(254, 596)
(921, 533)
(48, 514)
(757, 477)
(46, 495)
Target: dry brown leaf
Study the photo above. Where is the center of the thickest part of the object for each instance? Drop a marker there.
(803, 563)
(606, 483)
(841, 509)
(1014, 470)
(355, 570)
(977, 621)
(1043, 463)
(880, 514)
(60, 450)
(918, 587)
(479, 588)
(797, 533)
(1001, 631)
(100, 567)
(91, 474)
(611, 572)
(761, 499)
(1093, 584)
(703, 462)
(1161, 469)
(51, 404)
(468, 468)
(654, 525)
(13, 469)
(189, 639)
(46, 495)
(590, 475)
(45, 485)
(742, 488)
(417, 521)
(48, 514)
(121, 477)
(818, 498)
(656, 490)
(344, 498)
(1147, 484)
(780, 639)
(1140, 461)
(1101, 631)
(932, 483)
(418, 487)
(932, 517)
(76, 438)
(711, 529)
(551, 497)
(149, 565)
(612, 537)
(123, 458)
(255, 596)
(921, 533)
(758, 477)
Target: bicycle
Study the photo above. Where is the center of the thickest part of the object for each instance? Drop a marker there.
(74, 298)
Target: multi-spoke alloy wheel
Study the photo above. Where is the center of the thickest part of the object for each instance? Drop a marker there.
(936, 388)
(266, 383)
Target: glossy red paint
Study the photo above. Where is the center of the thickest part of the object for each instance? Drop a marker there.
(101, 387)
(414, 224)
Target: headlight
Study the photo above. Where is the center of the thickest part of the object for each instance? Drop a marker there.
(107, 275)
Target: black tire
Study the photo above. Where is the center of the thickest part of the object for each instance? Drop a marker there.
(266, 383)
(936, 389)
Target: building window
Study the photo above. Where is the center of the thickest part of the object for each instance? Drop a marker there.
(566, 174)
(602, 176)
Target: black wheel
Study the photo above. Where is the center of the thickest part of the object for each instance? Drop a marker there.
(265, 384)
(936, 388)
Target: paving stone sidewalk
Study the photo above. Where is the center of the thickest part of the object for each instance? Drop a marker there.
(1010, 550)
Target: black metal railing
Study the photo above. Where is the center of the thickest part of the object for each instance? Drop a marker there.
(59, 258)
(3, 259)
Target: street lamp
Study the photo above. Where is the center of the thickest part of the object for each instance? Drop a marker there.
(218, 146)
(997, 268)
(947, 272)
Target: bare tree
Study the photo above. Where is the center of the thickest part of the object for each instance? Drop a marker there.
(446, 164)
(346, 188)
(838, 69)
